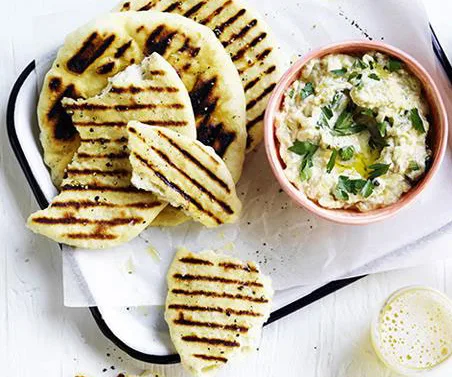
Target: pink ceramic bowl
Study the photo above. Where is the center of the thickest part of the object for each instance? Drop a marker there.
(437, 137)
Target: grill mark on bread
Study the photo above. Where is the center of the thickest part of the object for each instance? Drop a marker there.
(159, 40)
(263, 54)
(92, 49)
(91, 204)
(172, 6)
(84, 221)
(260, 97)
(157, 72)
(111, 173)
(216, 137)
(240, 34)
(112, 156)
(121, 50)
(92, 236)
(210, 358)
(173, 186)
(134, 90)
(250, 124)
(240, 53)
(235, 266)
(131, 106)
(100, 188)
(182, 321)
(55, 84)
(226, 207)
(63, 128)
(150, 122)
(194, 9)
(102, 140)
(261, 300)
(126, 6)
(217, 279)
(186, 47)
(105, 68)
(198, 163)
(218, 30)
(146, 6)
(197, 261)
(254, 81)
(211, 341)
(215, 13)
(227, 311)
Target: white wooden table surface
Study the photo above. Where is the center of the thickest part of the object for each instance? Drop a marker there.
(39, 337)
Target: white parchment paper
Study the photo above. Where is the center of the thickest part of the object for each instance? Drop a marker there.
(292, 246)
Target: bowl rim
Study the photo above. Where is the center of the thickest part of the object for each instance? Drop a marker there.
(349, 216)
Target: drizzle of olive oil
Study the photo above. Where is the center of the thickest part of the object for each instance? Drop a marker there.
(359, 162)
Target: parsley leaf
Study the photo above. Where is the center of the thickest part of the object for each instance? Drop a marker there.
(346, 153)
(416, 120)
(368, 189)
(374, 76)
(307, 150)
(345, 125)
(336, 100)
(291, 93)
(394, 65)
(326, 110)
(307, 90)
(331, 161)
(382, 126)
(358, 63)
(339, 72)
(346, 186)
(413, 166)
(378, 170)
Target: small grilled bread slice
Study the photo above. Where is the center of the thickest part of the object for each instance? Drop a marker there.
(215, 308)
(98, 207)
(184, 172)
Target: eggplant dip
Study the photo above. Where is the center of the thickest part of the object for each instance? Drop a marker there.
(352, 131)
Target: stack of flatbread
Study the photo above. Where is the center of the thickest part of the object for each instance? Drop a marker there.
(192, 78)
(146, 116)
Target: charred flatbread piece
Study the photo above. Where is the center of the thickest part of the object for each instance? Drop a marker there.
(107, 45)
(98, 207)
(246, 38)
(215, 308)
(184, 172)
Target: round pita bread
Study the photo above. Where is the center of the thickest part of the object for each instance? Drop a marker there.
(108, 45)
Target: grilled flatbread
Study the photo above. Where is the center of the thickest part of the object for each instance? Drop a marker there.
(98, 207)
(215, 308)
(183, 172)
(106, 46)
(246, 38)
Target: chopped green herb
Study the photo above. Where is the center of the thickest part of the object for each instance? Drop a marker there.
(378, 170)
(331, 161)
(326, 110)
(346, 153)
(291, 93)
(336, 99)
(394, 65)
(367, 112)
(307, 90)
(368, 189)
(413, 166)
(339, 72)
(382, 127)
(347, 186)
(323, 122)
(358, 63)
(416, 120)
(345, 125)
(371, 64)
(374, 76)
(303, 147)
(307, 150)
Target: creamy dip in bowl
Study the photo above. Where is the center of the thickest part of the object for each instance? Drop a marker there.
(354, 131)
